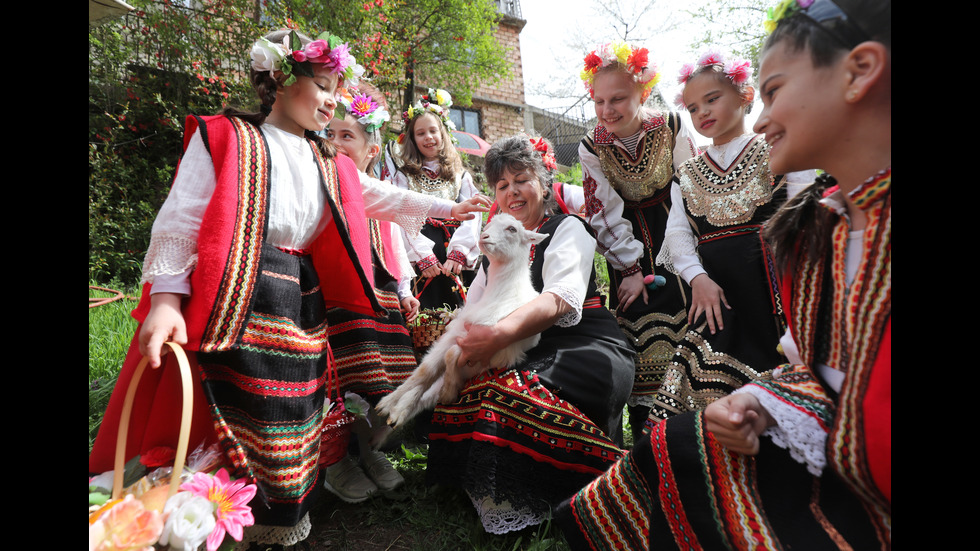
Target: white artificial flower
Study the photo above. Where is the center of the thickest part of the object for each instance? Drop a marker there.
(190, 520)
(267, 56)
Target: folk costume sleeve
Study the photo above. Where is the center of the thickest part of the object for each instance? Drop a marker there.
(463, 244)
(679, 252)
(172, 253)
(604, 211)
(567, 266)
(401, 206)
(418, 248)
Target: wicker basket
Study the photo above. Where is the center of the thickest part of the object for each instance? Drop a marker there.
(425, 333)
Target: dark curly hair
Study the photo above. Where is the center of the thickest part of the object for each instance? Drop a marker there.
(518, 154)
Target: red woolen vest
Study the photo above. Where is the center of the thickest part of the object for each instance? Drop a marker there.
(233, 229)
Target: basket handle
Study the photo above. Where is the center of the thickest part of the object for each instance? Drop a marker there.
(459, 286)
(185, 421)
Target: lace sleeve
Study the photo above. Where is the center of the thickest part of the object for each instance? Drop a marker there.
(168, 254)
(571, 298)
(795, 431)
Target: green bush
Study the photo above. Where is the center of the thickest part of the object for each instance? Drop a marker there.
(147, 72)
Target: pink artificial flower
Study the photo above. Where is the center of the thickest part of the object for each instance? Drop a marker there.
(711, 57)
(315, 50)
(686, 71)
(738, 70)
(231, 503)
(362, 105)
(299, 56)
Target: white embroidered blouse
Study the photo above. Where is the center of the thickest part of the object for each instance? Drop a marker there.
(614, 234)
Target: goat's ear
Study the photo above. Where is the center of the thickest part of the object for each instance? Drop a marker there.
(534, 237)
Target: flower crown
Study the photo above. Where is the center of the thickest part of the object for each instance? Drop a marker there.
(825, 13)
(293, 58)
(541, 146)
(436, 102)
(634, 60)
(368, 112)
(737, 70)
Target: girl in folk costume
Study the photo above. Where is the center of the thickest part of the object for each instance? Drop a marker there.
(720, 200)
(628, 161)
(429, 163)
(520, 440)
(261, 212)
(373, 355)
(802, 461)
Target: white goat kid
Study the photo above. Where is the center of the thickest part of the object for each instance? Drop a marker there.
(439, 378)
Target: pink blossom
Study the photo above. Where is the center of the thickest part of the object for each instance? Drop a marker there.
(299, 56)
(231, 503)
(711, 57)
(738, 70)
(686, 71)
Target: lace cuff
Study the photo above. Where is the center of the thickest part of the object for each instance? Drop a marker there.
(795, 431)
(571, 298)
(675, 245)
(168, 254)
(413, 212)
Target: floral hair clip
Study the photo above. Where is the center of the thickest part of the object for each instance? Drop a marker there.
(292, 58)
(437, 102)
(634, 60)
(363, 107)
(547, 155)
(736, 69)
(825, 13)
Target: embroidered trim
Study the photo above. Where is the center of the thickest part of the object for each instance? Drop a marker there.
(457, 256)
(636, 180)
(601, 136)
(282, 535)
(427, 262)
(728, 196)
(229, 315)
(634, 269)
(434, 186)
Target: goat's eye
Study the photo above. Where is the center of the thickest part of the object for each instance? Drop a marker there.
(511, 229)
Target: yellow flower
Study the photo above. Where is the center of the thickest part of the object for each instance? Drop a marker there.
(622, 51)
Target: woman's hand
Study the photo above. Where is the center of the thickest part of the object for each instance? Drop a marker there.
(478, 344)
(432, 271)
(630, 288)
(737, 420)
(465, 209)
(164, 322)
(409, 308)
(707, 297)
(451, 267)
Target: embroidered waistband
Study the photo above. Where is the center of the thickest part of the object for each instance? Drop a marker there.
(658, 197)
(594, 302)
(730, 232)
(295, 252)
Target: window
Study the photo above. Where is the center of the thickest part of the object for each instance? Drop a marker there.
(466, 120)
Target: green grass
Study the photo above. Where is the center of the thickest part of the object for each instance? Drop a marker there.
(110, 330)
